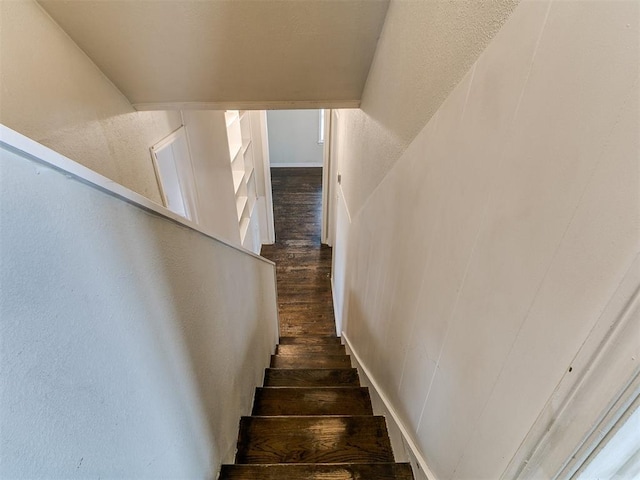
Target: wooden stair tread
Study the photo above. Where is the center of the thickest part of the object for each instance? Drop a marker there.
(310, 340)
(362, 471)
(287, 327)
(312, 401)
(310, 361)
(313, 439)
(304, 349)
(311, 377)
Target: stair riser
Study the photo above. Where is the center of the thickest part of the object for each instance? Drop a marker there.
(312, 401)
(310, 361)
(275, 377)
(310, 340)
(381, 471)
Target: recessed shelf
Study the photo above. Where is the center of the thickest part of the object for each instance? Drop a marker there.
(245, 147)
(240, 124)
(238, 175)
(234, 151)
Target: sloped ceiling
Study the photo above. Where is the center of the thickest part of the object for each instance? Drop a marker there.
(228, 53)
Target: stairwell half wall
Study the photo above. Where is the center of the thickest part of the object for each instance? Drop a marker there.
(130, 341)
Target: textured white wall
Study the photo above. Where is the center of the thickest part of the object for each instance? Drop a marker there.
(486, 254)
(293, 138)
(52, 93)
(425, 49)
(130, 345)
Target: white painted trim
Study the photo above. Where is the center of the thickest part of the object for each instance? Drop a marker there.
(408, 438)
(321, 125)
(269, 105)
(296, 165)
(37, 152)
(327, 185)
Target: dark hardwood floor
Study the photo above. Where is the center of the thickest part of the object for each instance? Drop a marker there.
(311, 420)
(303, 265)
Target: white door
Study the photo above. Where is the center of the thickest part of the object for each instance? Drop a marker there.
(172, 162)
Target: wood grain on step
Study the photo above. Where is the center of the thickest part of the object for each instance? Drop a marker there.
(312, 401)
(334, 349)
(311, 377)
(326, 439)
(310, 361)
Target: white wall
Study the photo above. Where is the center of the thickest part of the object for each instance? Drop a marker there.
(212, 172)
(130, 344)
(52, 93)
(293, 138)
(478, 266)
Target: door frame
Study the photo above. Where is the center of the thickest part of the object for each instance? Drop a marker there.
(329, 175)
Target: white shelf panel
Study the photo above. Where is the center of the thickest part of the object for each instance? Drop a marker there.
(245, 147)
(231, 116)
(241, 202)
(248, 174)
(238, 175)
(234, 151)
(244, 226)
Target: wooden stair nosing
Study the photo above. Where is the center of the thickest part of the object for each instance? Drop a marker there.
(310, 361)
(305, 471)
(328, 349)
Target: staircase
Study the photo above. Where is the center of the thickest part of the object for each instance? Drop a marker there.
(313, 420)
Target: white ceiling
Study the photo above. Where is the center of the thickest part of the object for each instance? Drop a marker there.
(228, 53)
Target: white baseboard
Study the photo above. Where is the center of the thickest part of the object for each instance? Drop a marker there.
(295, 165)
(423, 467)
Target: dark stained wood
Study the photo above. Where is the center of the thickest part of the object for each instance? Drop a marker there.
(370, 471)
(310, 340)
(311, 420)
(303, 265)
(312, 401)
(325, 439)
(311, 377)
(306, 349)
(310, 361)
(289, 327)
